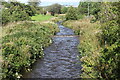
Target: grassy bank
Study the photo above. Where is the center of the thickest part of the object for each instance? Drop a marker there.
(89, 45)
(23, 43)
(41, 17)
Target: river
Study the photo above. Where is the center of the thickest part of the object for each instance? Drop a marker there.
(60, 58)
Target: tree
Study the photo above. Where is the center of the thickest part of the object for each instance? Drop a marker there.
(34, 3)
(15, 11)
(71, 14)
(5, 16)
(64, 10)
(55, 8)
(92, 8)
(82, 8)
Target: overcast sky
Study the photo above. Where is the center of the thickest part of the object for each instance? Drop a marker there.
(24, 1)
(57, 1)
(62, 2)
(49, 2)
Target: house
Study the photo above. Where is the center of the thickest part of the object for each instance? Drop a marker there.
(48, 13)
(1, 6)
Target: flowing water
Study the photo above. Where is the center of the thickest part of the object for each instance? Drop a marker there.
(60, 59)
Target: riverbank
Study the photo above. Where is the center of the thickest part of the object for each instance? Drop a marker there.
(89, 45)
(23, 42)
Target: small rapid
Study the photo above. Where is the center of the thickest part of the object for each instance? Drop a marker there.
(60, 59)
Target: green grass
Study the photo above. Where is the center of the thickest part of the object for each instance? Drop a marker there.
(41, 17)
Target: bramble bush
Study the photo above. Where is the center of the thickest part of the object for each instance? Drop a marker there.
(110, 41)
(22, 44)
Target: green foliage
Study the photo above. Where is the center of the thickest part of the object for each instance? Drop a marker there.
(94, 8)
(30, 10)
(88, 47)
(103, 62)
(71, 14)
(64, 10)
(109, 62)
(81, 16)
(16, 11)
(22, 44)
(100, 53)
(110, 41)
(41, 10)
(83, 8)
(55, 8)
(110, 32)
(34, 3)
(5, 16)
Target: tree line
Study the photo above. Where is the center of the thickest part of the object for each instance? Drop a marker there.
(16, 11)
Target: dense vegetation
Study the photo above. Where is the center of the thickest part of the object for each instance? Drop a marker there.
(54, 9)
(100, 42)
(109, 62)
(16, 11)
(71, 14)
(22, 44)
(89, 45)
(34, 3)
(84, 9)
(93, 7)
(23, 40)
(64, 10)
(88, 9)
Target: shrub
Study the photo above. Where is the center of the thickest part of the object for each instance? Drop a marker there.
(110, 53)
(71, 14)
(64, 10)
(23, 44)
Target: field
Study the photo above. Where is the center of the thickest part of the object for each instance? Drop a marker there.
(41, 17)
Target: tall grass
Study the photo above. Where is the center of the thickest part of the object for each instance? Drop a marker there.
(89, 45)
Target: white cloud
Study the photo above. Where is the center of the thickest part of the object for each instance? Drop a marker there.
(55, 1)
(60, 0)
